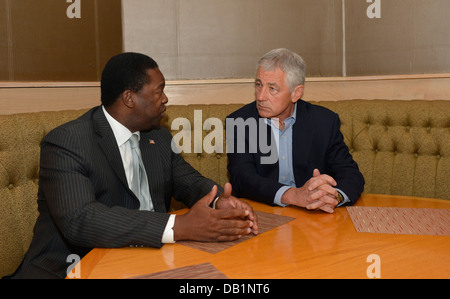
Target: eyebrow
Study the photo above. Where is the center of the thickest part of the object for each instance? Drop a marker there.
(270, 83)
(162, 85)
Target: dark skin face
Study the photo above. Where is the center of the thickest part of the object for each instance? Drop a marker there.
(142, 110)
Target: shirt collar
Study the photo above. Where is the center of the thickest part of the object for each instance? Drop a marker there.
(294, 114)
(288, 121)
(121, 132)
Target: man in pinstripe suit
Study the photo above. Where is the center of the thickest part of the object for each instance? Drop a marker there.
(84, 197)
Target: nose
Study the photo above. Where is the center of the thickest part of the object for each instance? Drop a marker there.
(261, 93)
(165, 99)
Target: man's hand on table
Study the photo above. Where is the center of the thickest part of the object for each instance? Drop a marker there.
(231, 219)
(318, 193)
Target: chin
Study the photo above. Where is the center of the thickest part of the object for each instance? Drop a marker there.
(158, 123)
(151, 127)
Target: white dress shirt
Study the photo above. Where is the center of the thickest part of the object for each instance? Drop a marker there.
(122, 135)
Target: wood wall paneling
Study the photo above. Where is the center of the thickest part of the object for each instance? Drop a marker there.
(43, 44)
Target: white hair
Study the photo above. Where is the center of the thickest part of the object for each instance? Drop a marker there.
(289, 62)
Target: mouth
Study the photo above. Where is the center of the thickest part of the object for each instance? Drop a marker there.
(163, 112)
(261, 107)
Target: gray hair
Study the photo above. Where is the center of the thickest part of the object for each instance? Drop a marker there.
(289, 62)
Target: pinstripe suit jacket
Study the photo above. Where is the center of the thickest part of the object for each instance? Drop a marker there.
(84, 200)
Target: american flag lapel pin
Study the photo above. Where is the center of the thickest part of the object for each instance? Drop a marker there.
(151, 141)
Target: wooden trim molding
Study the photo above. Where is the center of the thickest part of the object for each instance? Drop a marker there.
(20, 97)
(7, 84)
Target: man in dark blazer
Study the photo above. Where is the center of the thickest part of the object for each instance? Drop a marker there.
(85, 199)
(312, 167)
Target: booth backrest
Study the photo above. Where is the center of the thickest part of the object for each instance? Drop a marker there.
(402, 148)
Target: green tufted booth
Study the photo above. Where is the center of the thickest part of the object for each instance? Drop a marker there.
(402, 148)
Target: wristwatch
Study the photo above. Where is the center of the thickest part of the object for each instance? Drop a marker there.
(340, 198)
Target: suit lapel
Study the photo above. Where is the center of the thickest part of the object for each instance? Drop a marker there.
(302, 136)
(108, 144)
(267, 170)
(150, 144)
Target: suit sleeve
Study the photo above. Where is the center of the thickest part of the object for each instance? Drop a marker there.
(72, 201)
(188, 184)
(247, 182)
(341, 166)
(245, 171)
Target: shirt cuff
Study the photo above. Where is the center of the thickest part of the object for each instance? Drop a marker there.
(279, 194)
(346, 199)
(168, 232)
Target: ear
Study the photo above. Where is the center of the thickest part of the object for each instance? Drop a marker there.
(297, 93)
(127, 98)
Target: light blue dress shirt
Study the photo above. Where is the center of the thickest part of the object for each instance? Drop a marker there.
(285, 159)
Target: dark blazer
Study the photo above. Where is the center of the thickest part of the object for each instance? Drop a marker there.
(84, 200)
(317, 143)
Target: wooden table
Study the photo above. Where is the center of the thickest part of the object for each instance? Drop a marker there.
(314, 245)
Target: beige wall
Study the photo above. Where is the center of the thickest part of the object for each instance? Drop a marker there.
(198, 39)
(211, 39)
(216, 39)
(412, 37)
(220, 41)
(203, 39)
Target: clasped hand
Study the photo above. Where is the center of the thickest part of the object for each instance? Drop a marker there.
(231, 219)
(318, 193)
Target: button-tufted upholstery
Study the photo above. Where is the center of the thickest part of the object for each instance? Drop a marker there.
(402, 148)
(20, 138)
